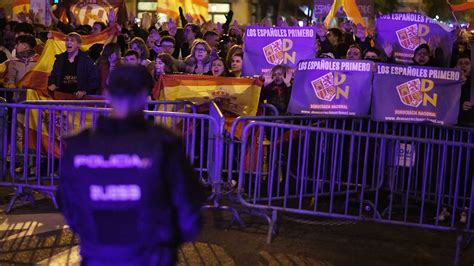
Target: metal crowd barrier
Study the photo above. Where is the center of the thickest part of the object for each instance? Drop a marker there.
(406, 174)
(31, 145)
(169, 106)
(13, 95)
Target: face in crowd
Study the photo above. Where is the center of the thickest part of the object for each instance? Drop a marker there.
(71, 45)
(464, 64)
(113, 58)
(236, 63)
(371, 56)
(159, 67)
(213, 40)
(354, 53)
(217, 68)
(134, 46)
(167, 47)
(332, 38)
(131, 60)
(200, 52)
(96, 28)
(21, 47)
(422, 56)
(278, 76)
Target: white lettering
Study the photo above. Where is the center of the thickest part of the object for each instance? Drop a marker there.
(115, 193)
(114, 161)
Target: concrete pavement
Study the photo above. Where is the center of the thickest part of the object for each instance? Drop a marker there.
(38, 235)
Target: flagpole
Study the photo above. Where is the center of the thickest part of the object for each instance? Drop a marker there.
(452, 12)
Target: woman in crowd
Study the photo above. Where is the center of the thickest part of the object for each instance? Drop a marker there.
(199, 61)
(354, 52)
(109, 59)
(372, 54)
(236, 64)
(138, 44)
(218, 69)
(164, 64)
(232, 50)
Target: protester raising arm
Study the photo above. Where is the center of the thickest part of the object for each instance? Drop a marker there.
(228, 20)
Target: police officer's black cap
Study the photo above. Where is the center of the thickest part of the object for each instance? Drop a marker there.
(129, 80)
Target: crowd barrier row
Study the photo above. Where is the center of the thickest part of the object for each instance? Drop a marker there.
(31, 145)
(341, 167)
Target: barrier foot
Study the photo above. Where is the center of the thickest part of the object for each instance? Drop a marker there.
(53, 199)
(457, 255)
(235, 214)
(462, 242)
(20, 194)
(272, 226)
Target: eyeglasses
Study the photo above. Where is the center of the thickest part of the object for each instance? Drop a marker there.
(199, 49)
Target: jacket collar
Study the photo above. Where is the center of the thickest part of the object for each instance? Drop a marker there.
(134, 122)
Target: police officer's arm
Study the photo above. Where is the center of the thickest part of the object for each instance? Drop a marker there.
(186, 191)
(65, 191)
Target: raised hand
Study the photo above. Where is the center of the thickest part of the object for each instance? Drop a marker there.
(172, 28)
(111, 16)
(189, 18)
(388, 49)
(288, 76)
(321, 30)
(219, 28)
(267, 78)
(132, 17)
(229, 15)
(434, 42)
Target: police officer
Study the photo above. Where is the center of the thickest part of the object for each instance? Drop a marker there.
(126, 187)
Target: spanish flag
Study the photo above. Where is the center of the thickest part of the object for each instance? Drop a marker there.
(3, 70)
(350, 8)
(36, 81)
(238, 96)
(461, 7)
(196, 8)
(37, 78)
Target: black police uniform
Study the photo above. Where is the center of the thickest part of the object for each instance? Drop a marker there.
(128, 191)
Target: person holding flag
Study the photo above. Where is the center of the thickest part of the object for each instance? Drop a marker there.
(74, 71)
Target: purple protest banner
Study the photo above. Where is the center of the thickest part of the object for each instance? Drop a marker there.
(266, 47)
(406, 31)
(322, 8)
(414, 93)
(333, 87)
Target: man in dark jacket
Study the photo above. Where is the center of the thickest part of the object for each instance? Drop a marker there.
(466, 112)
(74, 71)
(126, 187)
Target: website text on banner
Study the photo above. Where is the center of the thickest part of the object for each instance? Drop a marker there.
(266, 47)
(411, 93)
(333, 87)
(406, 31)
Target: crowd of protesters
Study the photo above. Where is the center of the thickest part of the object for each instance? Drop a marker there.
(194, 47)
